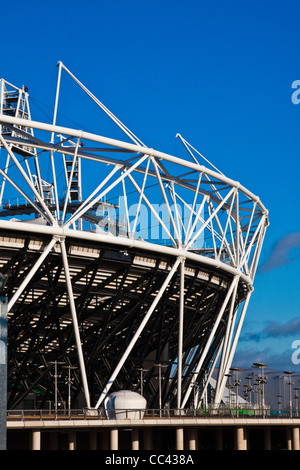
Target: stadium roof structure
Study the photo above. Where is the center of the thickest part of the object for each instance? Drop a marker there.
(116, 265)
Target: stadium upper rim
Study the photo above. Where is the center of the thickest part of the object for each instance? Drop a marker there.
(55, 227)
(131, 148)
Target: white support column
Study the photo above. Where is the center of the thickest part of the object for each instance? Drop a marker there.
(237, 226)
(213, 331)
(296, 442)
(227, 339)
(4, 173)
(56, 99)
(126, 206)
(245, 241)
(217, 209)
(137, 333)
(75, 322)
(80, 211)
(55, 186)
(199, 211)
(258, 248)
(192, 436)
(192, 209)
(88, 198)
(27, 179)
(21, 192)
(180, 332)
(72, 440)
(252, 242)
(220, 392)
(70, 182)
(135, 441)
(178, 214)
(36, 440)
(203, 394)
(240, 440)
(140, 199)
(101, 105)
(179, 439)
(114, 439)
(31, 273)
(160, 221)
(223, 232)
(38, 173)
(177, 237)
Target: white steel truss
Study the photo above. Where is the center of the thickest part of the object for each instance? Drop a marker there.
(170, 205)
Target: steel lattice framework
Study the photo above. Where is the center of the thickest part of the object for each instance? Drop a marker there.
(123, 268)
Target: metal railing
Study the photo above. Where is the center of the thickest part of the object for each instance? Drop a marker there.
(208, 412)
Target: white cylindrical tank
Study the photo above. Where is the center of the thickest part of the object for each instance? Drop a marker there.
(125, 404)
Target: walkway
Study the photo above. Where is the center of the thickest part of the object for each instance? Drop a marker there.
(177, 433)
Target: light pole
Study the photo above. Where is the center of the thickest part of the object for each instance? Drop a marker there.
(196, 393)
(3, 364)
(55, 363)
(263, 380)
(195, 386)
(229, 386)
(249, 389)
(296, 400)
(236, 384)
(279, 402)
(289, 374)
(160, 366)
(142, 379)
(69, 382)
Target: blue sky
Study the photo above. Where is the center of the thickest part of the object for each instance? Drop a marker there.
(220, 73)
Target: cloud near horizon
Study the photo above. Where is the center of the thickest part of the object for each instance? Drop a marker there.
(274, 330)
(284, 251)
(278, 360)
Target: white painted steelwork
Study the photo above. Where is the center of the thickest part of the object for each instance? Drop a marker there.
(197, 214)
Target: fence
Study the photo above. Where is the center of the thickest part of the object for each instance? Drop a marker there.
(209, 412)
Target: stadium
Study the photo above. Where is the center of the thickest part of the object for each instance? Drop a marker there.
(128, 269)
